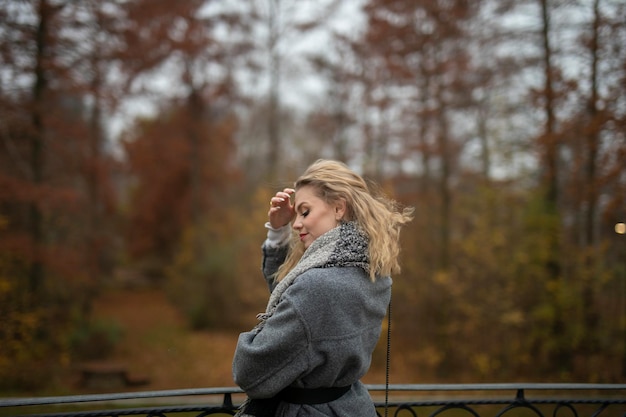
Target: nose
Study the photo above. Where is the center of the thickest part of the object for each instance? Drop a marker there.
(297, 224)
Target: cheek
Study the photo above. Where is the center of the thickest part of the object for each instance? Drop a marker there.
(326, 224)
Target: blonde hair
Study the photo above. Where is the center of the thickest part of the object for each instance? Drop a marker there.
(379, 217)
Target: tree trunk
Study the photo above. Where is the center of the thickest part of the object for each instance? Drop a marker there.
(561, 355)
(36, 274)
(273, 123)
(590, 197)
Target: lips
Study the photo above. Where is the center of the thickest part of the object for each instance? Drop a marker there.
(303, 235)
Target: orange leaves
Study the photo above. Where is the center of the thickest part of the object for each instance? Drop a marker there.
(178, 164)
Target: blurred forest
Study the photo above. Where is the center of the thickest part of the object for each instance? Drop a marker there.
(140, 141)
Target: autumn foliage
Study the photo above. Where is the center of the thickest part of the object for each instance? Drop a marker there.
(140, 142)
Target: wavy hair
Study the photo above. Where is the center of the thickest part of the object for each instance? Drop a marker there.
(379, 217)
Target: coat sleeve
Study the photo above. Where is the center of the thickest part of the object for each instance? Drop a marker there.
(275, 250)
(269, 360)
(273, 258)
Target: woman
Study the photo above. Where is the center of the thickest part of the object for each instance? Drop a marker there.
(330, 288)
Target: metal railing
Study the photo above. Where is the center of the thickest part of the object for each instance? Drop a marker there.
(442, 400)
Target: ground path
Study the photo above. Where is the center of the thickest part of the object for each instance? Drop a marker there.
(157, 343)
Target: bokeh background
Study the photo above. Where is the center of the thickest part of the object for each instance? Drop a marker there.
(141, 140)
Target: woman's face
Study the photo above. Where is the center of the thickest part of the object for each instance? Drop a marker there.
(314, 216)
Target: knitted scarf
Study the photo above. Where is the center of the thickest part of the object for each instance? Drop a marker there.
(343, 246)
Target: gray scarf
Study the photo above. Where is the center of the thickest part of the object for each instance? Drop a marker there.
(345, 245)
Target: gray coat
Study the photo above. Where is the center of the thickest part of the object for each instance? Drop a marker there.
(322, 334)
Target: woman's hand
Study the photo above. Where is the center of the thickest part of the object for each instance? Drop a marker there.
(281, 210)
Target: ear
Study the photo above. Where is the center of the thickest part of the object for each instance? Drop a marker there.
(340, 209)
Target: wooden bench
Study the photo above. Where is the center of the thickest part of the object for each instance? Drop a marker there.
(104, 375)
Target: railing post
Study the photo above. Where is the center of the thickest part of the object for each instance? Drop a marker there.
(228, 401)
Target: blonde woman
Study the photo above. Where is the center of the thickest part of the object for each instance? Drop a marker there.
(330, 286)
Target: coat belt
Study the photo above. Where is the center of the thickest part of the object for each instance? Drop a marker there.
(295, 395)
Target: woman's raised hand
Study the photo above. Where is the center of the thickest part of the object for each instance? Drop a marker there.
(281, 210)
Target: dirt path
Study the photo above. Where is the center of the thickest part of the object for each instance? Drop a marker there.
(157, 344)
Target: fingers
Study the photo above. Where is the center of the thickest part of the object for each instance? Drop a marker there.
(274, 209)
(276, 201)
(281, 210)
(281, 197)
(286, 193)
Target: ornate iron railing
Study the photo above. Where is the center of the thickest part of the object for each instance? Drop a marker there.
(442, 400)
